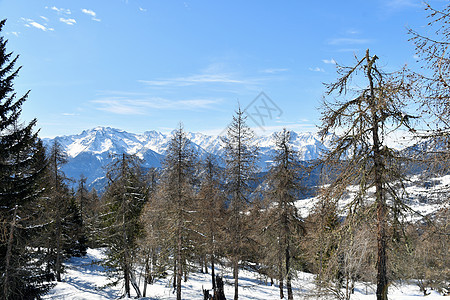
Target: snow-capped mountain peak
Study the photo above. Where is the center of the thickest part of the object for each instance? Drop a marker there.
(90, 150)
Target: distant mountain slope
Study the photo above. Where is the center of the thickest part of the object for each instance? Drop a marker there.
(90, 151)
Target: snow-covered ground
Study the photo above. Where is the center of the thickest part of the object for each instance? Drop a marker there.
(424, 196)
(83, 280)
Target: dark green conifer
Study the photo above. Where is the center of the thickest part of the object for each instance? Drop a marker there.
(20, 169)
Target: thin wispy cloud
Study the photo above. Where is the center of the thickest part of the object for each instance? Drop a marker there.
(60, 10)
(329, 61)
(348, 50)
(44, 18)
(195, 79)
(316, 69)
(126, 106)
(33, 24)
(400, 4)
(352, 31)
(118, 107)
(68, 21)
(91, 13)
(274, 70)
(142, 9)
(88, 12)
(348, 41)
(39, 26)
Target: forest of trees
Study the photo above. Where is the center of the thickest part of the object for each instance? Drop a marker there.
(196, 213)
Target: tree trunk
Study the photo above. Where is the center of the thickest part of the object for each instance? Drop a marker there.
(135, 284)
(126, 275)
(219, 294)
(175, 274)
(58, 249)
(288, 272)
(289, 287)
(213, 274)
(382, 282)
(8, 255)
(126, 270)
(379, 197)
(179, 266)
(58, 224)
(236, 277)
(280, 274)
(146, 275)
(281, 287)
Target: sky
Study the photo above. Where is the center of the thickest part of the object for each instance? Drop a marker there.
(142, 65)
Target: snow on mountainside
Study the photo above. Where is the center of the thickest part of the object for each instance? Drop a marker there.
(89, 152)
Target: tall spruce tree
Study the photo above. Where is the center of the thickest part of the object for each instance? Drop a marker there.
(174, 202)
(150, 255)
(210, 208)
(83, 201)
(360, 155)
(240, 158)
(281, 224)
(58, 198)
(124, 198)
(21, 165)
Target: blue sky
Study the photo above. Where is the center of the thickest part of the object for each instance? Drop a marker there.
(147, 65)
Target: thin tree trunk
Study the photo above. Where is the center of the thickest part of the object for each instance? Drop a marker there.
(236, 277)
(379, 197)
(146, 273)
(288, 272)
(175, 274)
(280, 275)
(213, 277)
(8, 255)
(134, 284)
(126, 270)
(58, 249)
(179, 267)
(281, 287)
(382, 283)
(58, 224)
(289, 287)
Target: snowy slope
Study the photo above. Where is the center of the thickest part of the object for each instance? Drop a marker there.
(423, 195)
(84, 280)
(90, 151)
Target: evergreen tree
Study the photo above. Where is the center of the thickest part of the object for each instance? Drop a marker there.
(57, 200)
(82, 196)
(75, 242)
(359, 155)
(240, 159)
(281, 223)
(211, 206)
(151, 256)
(124, 198)
(88, 206)
(21, 165)
(174, 204)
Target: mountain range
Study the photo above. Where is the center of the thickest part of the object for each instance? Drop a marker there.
(90, 151)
